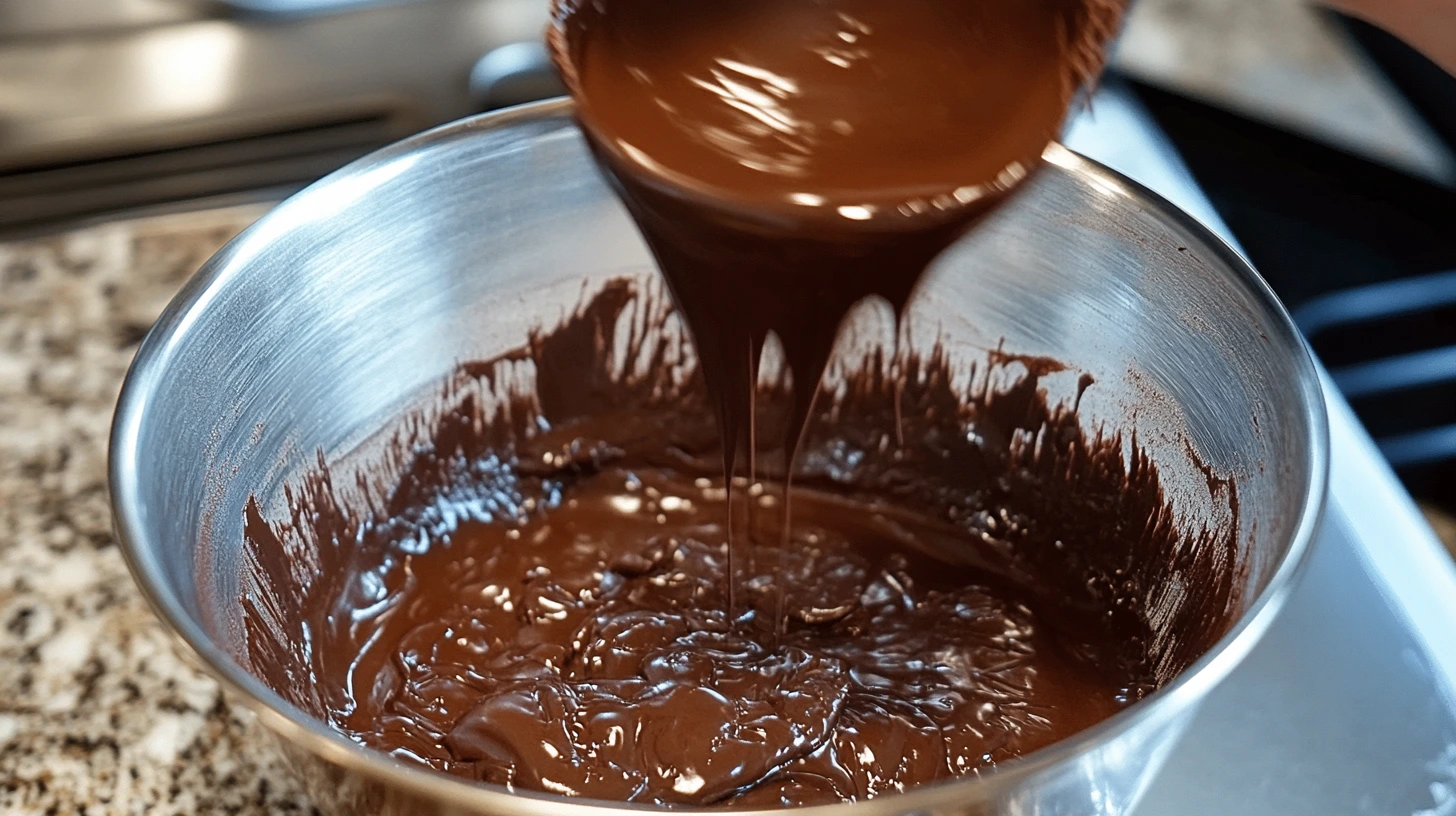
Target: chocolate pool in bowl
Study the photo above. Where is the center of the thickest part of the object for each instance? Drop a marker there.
(532, 588)
(1092, 462)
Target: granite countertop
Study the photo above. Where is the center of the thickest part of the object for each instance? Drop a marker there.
(101, 712)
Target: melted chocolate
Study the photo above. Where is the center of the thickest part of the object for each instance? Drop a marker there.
(528, 587)
(786, 159)
(588, 651)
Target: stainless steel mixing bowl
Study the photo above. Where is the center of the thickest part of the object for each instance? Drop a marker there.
(346, 304)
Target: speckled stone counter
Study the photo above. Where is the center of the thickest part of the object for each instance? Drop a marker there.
(100, 711)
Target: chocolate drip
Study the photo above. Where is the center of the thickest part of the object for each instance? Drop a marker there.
(786, 159)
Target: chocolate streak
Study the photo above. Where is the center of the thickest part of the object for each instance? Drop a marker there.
(786, 159)
(536, 598)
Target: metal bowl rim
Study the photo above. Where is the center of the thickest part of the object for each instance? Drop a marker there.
(148, 373)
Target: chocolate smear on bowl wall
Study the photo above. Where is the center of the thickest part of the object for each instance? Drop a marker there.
(538, 599)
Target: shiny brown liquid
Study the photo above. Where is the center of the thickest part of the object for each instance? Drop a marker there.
(589, 652)
(785, 159)
(527, 584)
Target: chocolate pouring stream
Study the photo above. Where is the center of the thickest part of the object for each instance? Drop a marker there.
(786, 159)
